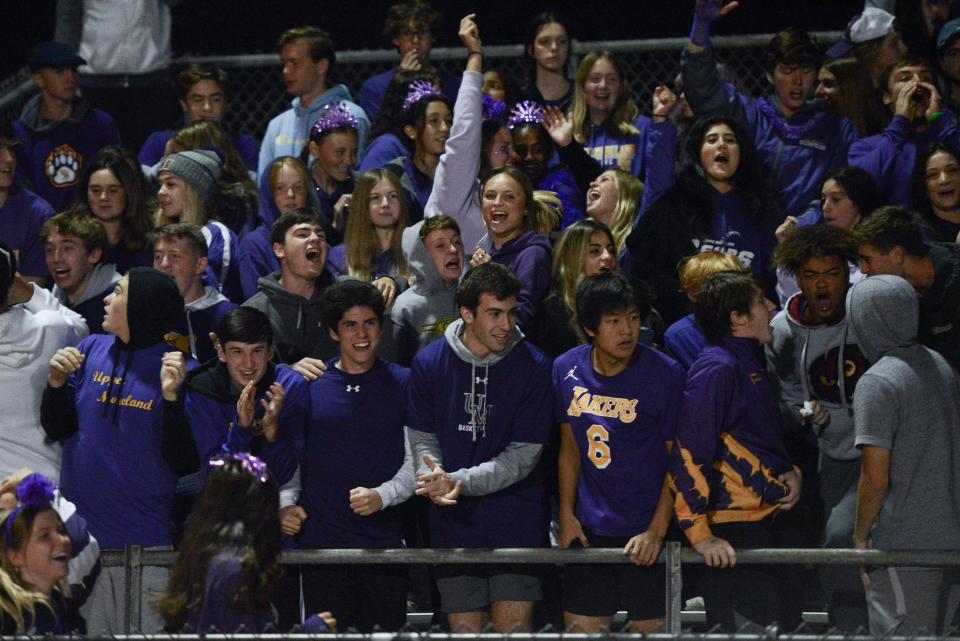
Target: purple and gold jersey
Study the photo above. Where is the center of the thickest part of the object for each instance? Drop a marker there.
(622, 425)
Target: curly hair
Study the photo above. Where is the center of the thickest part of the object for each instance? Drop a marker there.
(814, 241)
(236, 512)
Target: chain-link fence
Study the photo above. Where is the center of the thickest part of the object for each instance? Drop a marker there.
(258, 92)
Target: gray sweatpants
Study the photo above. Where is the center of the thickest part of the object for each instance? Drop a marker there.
(104, 609)
(909, 601)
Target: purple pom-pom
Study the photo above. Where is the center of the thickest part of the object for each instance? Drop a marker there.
(36, 490)
(250, 463)
(493, 109)
(333, 117)
(417, 90)
(526, 112)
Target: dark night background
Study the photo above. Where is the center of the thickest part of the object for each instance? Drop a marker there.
(228, 27)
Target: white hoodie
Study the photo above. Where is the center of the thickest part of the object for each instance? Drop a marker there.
(30, 334)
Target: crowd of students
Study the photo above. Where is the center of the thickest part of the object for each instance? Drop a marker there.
(464, 309)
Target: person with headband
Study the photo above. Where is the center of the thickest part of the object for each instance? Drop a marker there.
(535, 157)
(34, 325)
(111, 402)
(331, 155)
(46, 553)
(229, 559)
(427, 118)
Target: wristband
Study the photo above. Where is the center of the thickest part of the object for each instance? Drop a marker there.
(932, 117)
(474, 53)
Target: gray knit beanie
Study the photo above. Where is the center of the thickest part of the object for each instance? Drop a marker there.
(199, 168)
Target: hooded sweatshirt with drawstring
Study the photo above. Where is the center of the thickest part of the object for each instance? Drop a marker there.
(908, 402)
(255, 247)
(804, 360)
(200, 317)
(90, 302)
(123, 446)
(298, 328)
(421, 314)
(485, 421)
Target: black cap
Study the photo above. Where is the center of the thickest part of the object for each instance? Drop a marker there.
(54, 55)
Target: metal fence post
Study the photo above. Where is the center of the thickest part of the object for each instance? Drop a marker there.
(132, 582)
(674, 586)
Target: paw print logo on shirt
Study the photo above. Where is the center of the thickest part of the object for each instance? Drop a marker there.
(63, 166)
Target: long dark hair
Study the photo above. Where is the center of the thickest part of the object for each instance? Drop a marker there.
(389, 119)
(539, 21)
(237, 512)
(136, 217)
(748, 181)
(921, 198)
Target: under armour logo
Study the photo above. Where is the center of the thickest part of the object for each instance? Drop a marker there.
(481, 381)
(571, 374)
(353, 388)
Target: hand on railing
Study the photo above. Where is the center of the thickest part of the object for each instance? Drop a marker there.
(644, 549)
(717, 552)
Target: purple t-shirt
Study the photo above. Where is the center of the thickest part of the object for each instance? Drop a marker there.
(511, 402)
(21, 217)
(355, 438)
(621, 425)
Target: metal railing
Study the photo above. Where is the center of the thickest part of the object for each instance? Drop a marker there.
(133, 558)
(257, 91)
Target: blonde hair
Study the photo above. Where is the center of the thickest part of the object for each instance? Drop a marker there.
(361, 239)
(625, 112)
(194, 210)
(16, 597)
(544, 209)
(204, 133)
(629, 192)
(572, 252)
(695, 269)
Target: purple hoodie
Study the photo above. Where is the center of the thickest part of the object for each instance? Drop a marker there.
(529, 257)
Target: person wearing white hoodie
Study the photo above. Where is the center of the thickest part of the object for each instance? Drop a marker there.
(33, 326)
(812, 342)
(180, 250)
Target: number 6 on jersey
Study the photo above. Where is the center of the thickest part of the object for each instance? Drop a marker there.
(599, 452)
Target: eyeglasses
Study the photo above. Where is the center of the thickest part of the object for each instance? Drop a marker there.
(406, 34)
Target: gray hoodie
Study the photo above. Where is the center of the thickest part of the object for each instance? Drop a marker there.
(908, 402)
(511, 465)
(90, 302)
(298, 328)
(804, 360)
(421, 314)
(455, 182)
